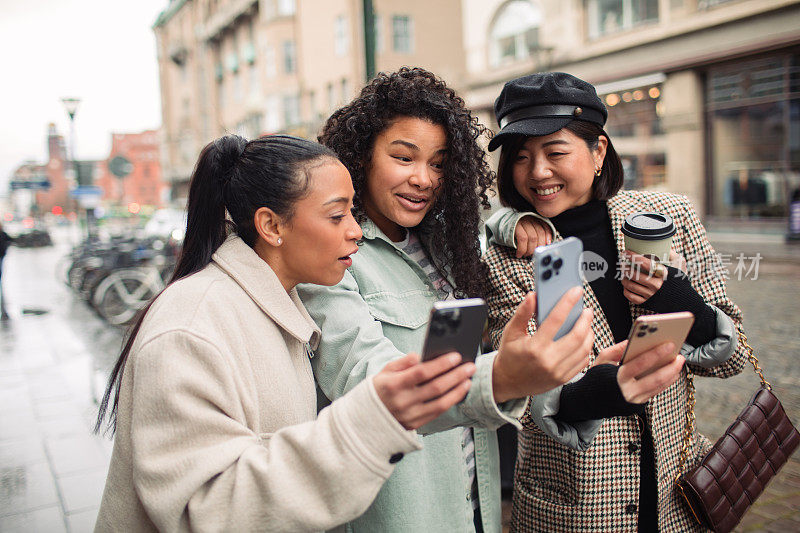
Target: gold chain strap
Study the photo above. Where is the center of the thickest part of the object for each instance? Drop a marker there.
(690, 417)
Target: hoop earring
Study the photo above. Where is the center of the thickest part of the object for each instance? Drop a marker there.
(280, 241)
(597, 172)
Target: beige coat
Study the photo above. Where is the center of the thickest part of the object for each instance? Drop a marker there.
(217, 428)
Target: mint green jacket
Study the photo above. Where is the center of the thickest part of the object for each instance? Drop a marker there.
(377, 313)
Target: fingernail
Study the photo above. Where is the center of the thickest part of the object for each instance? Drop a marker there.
(471, 368)
(667, 348)
(454, 359)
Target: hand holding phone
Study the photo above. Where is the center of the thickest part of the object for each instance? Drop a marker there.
(455, 326)
(649, 331)
(557, 268)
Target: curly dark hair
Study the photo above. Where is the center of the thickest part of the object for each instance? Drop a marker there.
(454, 218)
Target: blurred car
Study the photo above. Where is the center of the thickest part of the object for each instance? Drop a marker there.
(168, 222)
(29, 233)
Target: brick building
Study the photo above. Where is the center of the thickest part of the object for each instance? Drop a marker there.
(57, 171)
(137, 156)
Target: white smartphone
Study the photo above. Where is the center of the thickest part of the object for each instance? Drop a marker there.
(557, 268)
(648, 331)
(455, 326)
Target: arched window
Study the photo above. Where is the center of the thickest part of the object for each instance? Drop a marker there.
(515, 32)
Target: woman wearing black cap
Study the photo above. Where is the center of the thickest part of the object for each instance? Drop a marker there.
(559, 165)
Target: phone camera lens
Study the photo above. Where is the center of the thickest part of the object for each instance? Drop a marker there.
(546, 260)
(641, 334)
(653, 329)
(547, 274)
(558, 263)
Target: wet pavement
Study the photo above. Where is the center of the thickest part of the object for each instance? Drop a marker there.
(55, 353)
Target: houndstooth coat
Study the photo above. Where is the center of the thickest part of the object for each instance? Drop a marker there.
(557, 488)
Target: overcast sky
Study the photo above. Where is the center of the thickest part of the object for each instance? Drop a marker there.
(101, 51)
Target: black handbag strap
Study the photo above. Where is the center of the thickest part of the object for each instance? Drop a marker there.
(690, 417)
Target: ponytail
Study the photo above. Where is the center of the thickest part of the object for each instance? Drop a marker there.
(232, 177)
(205, 218)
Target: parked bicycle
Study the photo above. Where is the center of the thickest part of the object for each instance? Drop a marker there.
(119, 277)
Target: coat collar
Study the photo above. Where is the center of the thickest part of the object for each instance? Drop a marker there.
(258, 280)
(617, 215)
(371, 231)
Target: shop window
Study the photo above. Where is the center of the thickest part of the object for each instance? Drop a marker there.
(515, 32)
(634, 124)
(402, 34)
(606, 17)
(754, 133)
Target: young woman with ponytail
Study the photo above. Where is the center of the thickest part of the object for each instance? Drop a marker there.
(214, 403)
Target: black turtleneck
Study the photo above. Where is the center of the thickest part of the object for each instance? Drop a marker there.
(592, 225)
(597, 394)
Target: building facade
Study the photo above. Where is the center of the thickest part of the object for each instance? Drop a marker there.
(703, 95)
(50, 183)
(132, 172)
(255, 67)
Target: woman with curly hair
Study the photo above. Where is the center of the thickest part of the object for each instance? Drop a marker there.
(420, 179)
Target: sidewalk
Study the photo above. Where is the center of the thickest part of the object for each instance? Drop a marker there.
(772, 247)
(52, 469)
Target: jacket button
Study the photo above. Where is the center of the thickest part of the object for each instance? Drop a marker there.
(395, 458)
(631, 508)
(633, 447)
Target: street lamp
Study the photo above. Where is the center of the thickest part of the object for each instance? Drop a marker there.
(71, 105)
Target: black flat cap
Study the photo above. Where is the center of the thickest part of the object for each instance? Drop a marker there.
(543, 103)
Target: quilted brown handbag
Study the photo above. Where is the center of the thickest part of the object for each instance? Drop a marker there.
(738, 467)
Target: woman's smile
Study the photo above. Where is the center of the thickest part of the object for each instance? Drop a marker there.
(549, 192)
(413, 202)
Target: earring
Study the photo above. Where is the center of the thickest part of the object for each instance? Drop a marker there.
(280, 241)
(597, 172)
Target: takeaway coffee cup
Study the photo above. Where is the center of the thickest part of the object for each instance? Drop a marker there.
(649, 234)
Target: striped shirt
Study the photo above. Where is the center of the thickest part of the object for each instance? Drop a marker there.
(414, 249)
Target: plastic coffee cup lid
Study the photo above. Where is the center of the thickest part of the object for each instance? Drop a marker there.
(648, 226)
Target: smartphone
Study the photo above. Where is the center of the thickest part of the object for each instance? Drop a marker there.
(557, 268)
(648, 331)
(455, 326)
